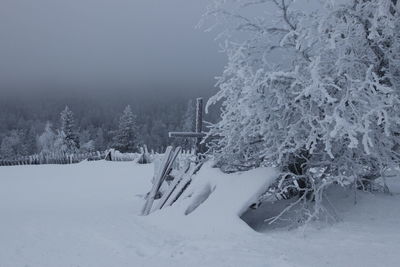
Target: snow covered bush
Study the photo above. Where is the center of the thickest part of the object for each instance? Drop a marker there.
(12, 145)
(46, 141)
(87, 144)
(310, 88)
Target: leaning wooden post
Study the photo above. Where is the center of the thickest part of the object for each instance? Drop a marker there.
(198, 134)
(160, 176)
(199, 123)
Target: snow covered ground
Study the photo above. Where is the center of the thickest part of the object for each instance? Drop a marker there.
(87, 215)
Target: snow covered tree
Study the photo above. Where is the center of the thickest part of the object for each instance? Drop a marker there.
(67, 136)
(30, 141)
(86, 141)
(100, 142)
(312, 90)
(9, 144)
(88, 146)
(47, 140)
(13, 145)
(125, 139)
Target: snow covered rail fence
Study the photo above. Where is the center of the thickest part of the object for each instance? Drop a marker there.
(145, 156)
(181, 186)
(141, 158)
(115, 155)
(208, 194)
(53, 158)
(172, 174)
(160, 176)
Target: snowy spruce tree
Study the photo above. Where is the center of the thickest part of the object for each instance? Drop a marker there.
(125, 139)
(315, 93)
(67, 138)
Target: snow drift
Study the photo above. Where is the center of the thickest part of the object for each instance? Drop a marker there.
(217, 198)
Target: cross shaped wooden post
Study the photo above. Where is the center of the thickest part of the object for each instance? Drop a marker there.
(198, 134)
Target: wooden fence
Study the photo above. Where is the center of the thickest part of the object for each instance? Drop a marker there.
(64, 158)
(174, 169)
(53, 158)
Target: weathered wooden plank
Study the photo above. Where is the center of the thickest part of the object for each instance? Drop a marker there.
(182, 185)
(199, 115)
(198, 134)
(166, 166)
(172, 187)
(186, 134)
(199, 123)
(157, 182)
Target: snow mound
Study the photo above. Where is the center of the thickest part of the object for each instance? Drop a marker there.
(214, 201)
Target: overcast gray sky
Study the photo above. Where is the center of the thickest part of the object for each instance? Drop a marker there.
(106, 45)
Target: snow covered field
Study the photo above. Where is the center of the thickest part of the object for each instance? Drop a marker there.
(87, 215)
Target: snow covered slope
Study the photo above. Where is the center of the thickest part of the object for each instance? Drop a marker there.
(86, 215)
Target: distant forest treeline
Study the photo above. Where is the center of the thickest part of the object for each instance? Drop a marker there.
(23, 119)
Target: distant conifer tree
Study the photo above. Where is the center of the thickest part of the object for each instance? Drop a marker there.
(125, 139)
(68, 137)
